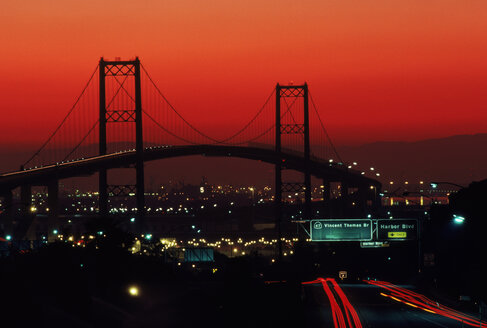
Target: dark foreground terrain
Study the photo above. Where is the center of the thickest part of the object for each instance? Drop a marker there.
(64, 286)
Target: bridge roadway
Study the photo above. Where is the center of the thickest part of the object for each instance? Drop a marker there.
(87, 166)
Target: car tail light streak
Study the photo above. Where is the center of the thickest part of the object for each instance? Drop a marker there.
(332, 290)
(419, 301)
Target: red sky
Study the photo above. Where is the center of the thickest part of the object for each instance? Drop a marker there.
(378, 69)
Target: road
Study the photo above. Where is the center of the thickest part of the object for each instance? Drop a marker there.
(378, 304)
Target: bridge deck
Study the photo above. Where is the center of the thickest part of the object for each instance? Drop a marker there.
(87, 166)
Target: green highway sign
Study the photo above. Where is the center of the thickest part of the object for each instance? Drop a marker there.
(397, 229)
(341, 230)
(373, 244)
(201, 254)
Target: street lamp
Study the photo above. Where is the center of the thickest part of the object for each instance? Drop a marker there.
(133, 291)
(374, 188)
(434, 184)
(458, 219)
(252, 190)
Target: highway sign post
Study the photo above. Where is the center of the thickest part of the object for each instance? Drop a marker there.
(397, 229)
(340, 230)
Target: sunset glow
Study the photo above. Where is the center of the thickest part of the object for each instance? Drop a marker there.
(378, 70)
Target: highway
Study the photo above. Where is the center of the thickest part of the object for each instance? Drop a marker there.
(375, 304)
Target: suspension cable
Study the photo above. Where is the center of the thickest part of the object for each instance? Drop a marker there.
(324, 129)
(64, 120)
(251, 121)
(174, 109)
(152, 118)
(166, 130)
(266, 131)
(82, 140)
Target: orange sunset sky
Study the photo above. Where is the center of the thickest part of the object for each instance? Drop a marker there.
(378, 69)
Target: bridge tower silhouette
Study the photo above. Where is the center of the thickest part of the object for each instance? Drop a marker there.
(108, 114)
(296, 127)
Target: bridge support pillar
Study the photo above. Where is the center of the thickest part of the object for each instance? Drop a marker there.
(53, 198)
(285, 126)
(7, 203)
(278, 207)
(326, 197)
(345, 199)
(53, 204)
(376, 198)
(102, 193)
(25, 199)
(362, 199)
(114, 114)
(6, 215)
(139, 145)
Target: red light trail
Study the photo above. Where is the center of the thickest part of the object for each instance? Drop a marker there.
(419, 301)
(333, 291)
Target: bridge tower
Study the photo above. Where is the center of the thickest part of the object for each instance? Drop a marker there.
(294, 127)
(113, 69)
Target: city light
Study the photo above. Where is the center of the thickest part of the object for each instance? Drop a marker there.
(458, 219)
(8, 237)
(133, 291)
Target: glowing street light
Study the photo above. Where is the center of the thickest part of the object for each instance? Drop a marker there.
(458, 219)
(134, 291)
(434, 184)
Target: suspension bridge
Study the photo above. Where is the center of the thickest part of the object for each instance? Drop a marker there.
(122, 119)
